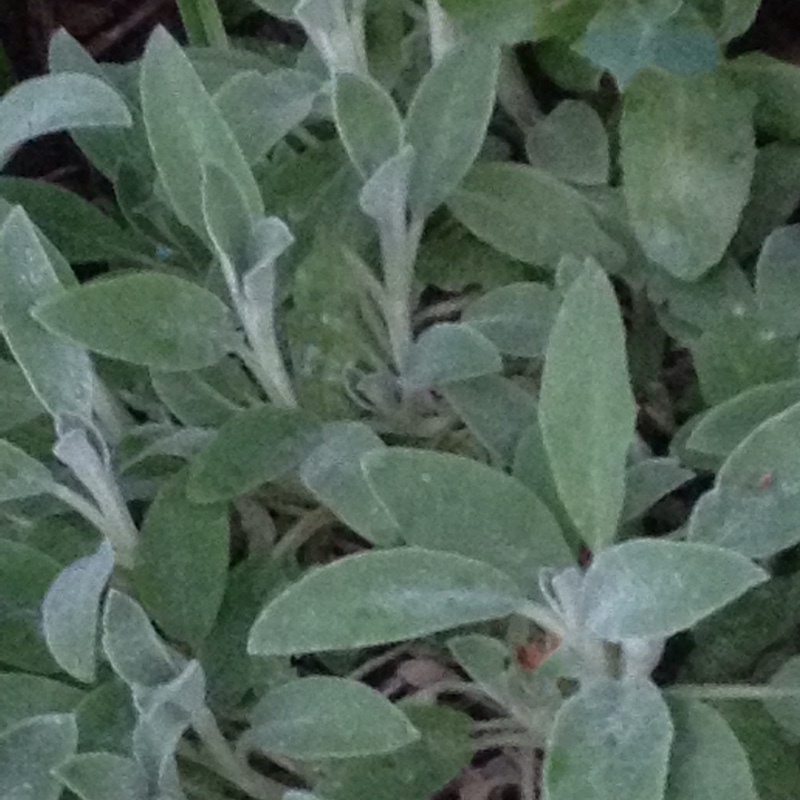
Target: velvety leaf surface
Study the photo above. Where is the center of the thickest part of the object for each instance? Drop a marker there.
(446, 122)
(726, 425)
(328, 717)
(186, 129)
(496, 410)
(417, 770)
(447, 502)
(71, 613)
(754, 505)
(707, 760)
(379, 597)
(30, 751)
(173, 325)
(531, 215)
(611, 740)
(59, 373)
(54, 102)
(182, 562)
(450, 352)
(252, 448)
(23, 696)
(586, 410)
(332, 472)
(133, 648)
(655, 588)
(516, 318)
(687, 154)
(104, 776)
(367, 120)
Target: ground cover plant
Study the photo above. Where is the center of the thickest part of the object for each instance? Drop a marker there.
(433, 424)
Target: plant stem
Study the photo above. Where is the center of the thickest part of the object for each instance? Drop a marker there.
(440, 28)
(741, 691)
(230, 767)
(400, 254)
(302, 531)
(123, 537)
(203, 23)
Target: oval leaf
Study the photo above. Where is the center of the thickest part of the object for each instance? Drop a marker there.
(327, 717)
(186, 130)
(450, 352)
(104, 776)
(333, 474)
(379, 597)
(754, 505)
(587, 412)
(54, 102)
(182, 562)
(688, 154)
(654, 588)
(132, 646)
(59, 373)
(725, 426)
(71, 612)
(778, 281)
(261, 109)
(171, 324)
(23, 696)
(707, 760)
(516, 318)
(368, 121)
(611, 742)
(447, 502)
(252, 448)
(20, 475)
(446, 122)
(571, 143)
(30, 751)
(531, 215)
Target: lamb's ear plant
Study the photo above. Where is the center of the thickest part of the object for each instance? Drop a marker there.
(375, 383)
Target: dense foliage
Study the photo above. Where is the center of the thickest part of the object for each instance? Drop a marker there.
(403, 343)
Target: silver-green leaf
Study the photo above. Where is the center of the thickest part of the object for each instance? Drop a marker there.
(324, 717)
(380, 597)
(587, 412)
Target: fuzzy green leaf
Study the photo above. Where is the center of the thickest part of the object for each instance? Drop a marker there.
(182, 562)
(754, 505)
(379, 597)
(446, 502)
(71, 613)
(30, 751)
(172, 325)
(587, 411)
(531, 215)
(186, 130)
(59, 373)
(252, 448)
(450, 352)
(646, 588)
(327, 717)
(446, 122)
(707, 760)
(611, 741)
(726, 425)
(55, 102)
(104, 776)
(367, 120)
(332, 472)
(688, 153)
